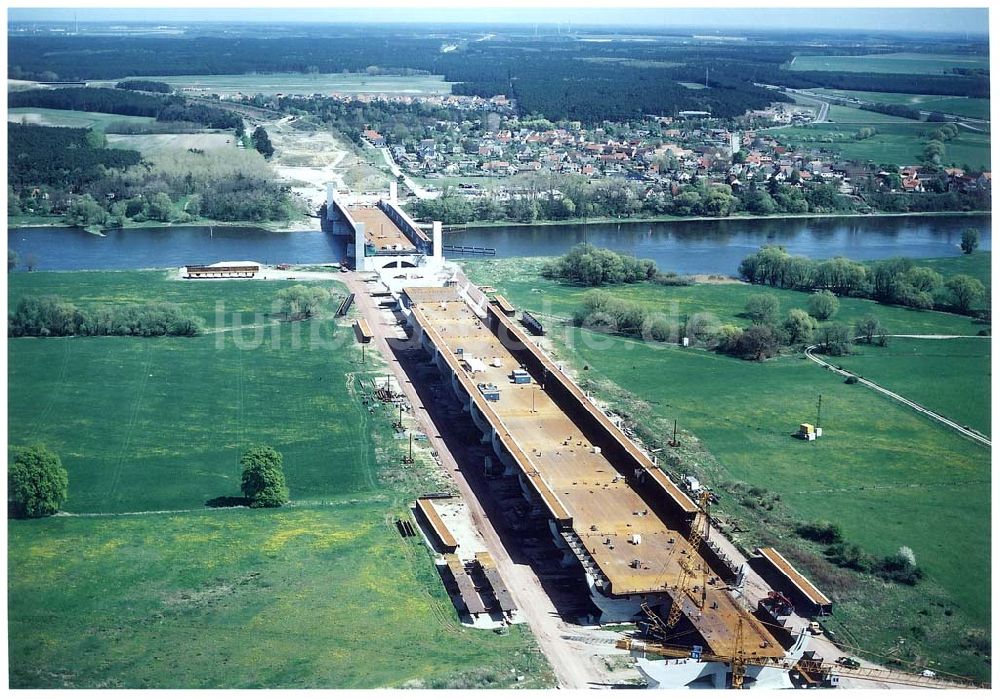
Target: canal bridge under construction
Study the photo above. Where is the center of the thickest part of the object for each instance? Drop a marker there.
(609, 506)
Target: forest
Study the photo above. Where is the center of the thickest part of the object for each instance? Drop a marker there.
(60, 158)
(69, 173)
(126, 102)
(558, 78)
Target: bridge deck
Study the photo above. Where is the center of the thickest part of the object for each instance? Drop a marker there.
(605, 511)
(380, 230)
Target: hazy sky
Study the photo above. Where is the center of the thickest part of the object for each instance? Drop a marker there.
(972, 20)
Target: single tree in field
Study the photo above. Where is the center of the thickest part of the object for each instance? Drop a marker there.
(36, 483)
(762, 309)
(834, 339)
(965, 290)
(799, 326)
(869, 327)
(263, 479)
(970, 240)
(823, 305)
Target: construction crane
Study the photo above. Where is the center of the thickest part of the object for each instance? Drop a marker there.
(699, 530)
(811, 667)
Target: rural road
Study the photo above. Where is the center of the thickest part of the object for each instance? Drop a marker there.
(396, 172)
(576, 665)
(906, 401)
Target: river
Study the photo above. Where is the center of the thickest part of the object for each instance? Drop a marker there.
(687, 247)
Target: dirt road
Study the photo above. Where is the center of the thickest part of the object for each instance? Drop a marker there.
(577, 663)
(961, 429)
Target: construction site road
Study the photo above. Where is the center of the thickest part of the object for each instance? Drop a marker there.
(576, 665)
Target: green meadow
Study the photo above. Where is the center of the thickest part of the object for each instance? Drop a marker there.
(896, 141)
(74, 119)
(305, 83)
(913, 63)
(142, 585)
(961, 364)
(886, 475)
(973, 107)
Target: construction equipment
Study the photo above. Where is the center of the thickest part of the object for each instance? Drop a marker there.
(699, 530)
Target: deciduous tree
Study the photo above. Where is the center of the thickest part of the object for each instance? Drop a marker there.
(37, 483)
(263, 481)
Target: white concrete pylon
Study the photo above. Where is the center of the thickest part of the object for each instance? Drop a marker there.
(436, 239)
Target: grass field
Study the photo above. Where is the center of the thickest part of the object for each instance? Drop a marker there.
(975, 265)
(886, 475)
(913, 63)
(156, 144)
(900, 142)
(972, 107)
(724, 301)
(322, 593)
(306, 83)
(839, 114)
(963, 365)
(65, 117)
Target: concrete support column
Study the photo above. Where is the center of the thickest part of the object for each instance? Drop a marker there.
(359, 246)
(329, 201)
(436, 239)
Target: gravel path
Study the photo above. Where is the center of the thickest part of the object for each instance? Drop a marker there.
(972, 434)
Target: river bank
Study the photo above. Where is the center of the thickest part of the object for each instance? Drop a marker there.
(298, 225)
(678, 219)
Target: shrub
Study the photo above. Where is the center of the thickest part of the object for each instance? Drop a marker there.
(849, 556)
(900, 568)
(820, 532)
(758, 342)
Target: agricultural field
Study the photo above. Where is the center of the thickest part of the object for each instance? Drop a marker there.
(962, 364)
(839, 114)
(160, 143)
(899, 142)
(972, 107)
(912, 63)
(301, 83)
(78, 120)
(886, 475)
(142, 585)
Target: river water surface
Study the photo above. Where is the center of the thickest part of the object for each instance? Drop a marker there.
(687, 247)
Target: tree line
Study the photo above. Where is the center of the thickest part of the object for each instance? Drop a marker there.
(126, 102)
(52, 316)
(895, 280)
(144, 86)
(560, 197)
(588, 265)
(767, 335)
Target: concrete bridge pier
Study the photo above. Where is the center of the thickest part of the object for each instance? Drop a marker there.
(481, 422)
(505, 458)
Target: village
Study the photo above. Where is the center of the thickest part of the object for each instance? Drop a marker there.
(663, 153)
